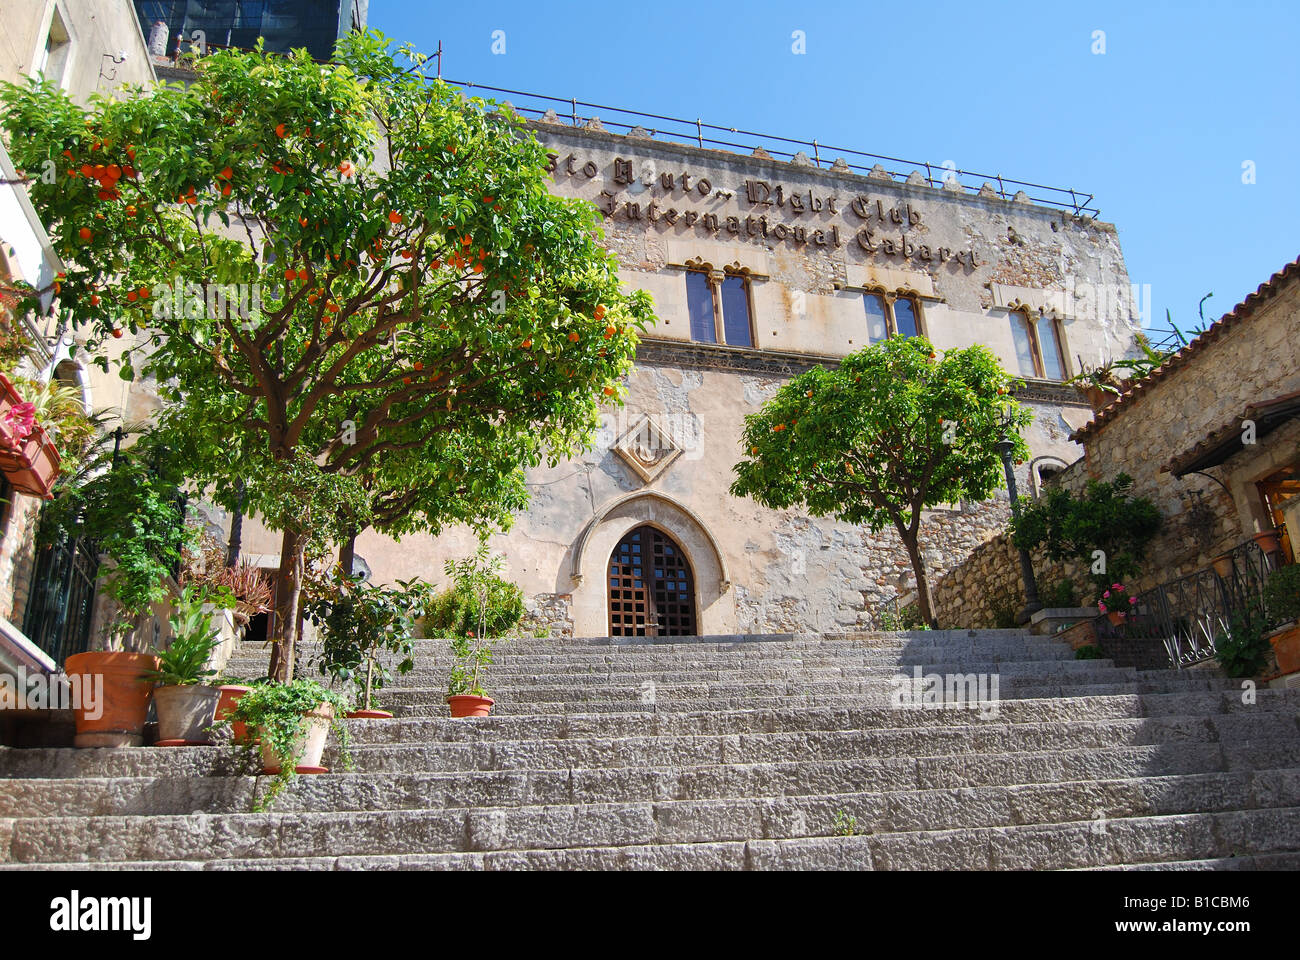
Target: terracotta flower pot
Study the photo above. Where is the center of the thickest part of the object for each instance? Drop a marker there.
(230, 695)
(1116, 617)
(1268, 541)
(1286, 647)
(465, 705)
(116, 718)
(185, 714)
(31, 464)
(309, 748)
(1222, 565)
(369, 715)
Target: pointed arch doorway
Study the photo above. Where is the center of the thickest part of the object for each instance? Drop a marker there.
(650, 587)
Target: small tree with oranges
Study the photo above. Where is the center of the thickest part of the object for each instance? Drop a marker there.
(890, 431)
(349, 262)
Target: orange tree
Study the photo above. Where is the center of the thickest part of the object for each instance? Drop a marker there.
(890, 431)
(348, 265)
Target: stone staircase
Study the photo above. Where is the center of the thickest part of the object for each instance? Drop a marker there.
(722, 753)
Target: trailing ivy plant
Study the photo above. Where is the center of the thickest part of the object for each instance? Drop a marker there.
(358, 621)
(276, 711)
(1106, 519)
(134, 513)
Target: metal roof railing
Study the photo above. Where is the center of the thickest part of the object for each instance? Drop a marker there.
(698, 133)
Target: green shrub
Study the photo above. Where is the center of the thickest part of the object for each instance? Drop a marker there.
(455, 611)
(1106, 518)
(1059, 593)
(1282, 594)
(1004, 613)
(1089, 652)
(1241, 648)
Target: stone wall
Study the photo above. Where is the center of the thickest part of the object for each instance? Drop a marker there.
(754, 569)
(1253, 357)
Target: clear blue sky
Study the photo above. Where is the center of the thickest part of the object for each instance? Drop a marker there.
(1158, 126)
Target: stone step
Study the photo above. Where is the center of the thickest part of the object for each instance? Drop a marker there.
(974, 737)
(858, 717)
(432, 703)
(179, 795)
(515, 664)
(720, 690)
(415, 839)
(1062, 670)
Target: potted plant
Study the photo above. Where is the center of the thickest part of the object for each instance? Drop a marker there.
(1116, 603)
(478, 606)
(292, 721)
(358, 621)
(1100, 384)
(230, 690)
(1282, 600)
(187, 706)
(123, 691)
(28, 456)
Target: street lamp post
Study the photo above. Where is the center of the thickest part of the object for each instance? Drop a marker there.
(1006, 450)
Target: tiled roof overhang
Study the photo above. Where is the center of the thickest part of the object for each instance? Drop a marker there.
(1240, 313)
(1224, 443)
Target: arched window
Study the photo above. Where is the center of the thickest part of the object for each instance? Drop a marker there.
(1039, 350)
(891, 316)
(1023, 339)
(719, 307)
(650, 588)
(1049, 347)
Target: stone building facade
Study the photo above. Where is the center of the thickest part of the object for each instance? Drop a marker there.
(1212, 438)
(761, 269)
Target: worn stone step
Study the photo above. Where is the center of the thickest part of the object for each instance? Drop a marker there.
(648, 749)
(1267, 832)
(513, 664)
(432, 702)
(857, 717)
(177, 795)
(447, 830)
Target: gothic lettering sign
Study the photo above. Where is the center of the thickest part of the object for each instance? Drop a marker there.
(874, 226)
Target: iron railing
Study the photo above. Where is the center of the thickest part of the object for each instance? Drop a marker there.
(62, 598)
(1189, 615)
(573, 112)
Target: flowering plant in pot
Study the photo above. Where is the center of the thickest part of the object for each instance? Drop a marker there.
(292, 721)
(186, 705)
(1116, 603)
(358, 622)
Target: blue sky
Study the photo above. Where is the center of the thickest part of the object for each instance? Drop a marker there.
(1158, 126)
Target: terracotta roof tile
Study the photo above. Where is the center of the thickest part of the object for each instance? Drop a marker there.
(1242, 311)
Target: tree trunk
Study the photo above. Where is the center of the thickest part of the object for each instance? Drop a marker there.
(236, 530)
(912, 542)
(348, 554)
(288, 595)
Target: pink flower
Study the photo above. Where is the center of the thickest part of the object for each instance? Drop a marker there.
(1132, 599)
(1117, 586)
(1102, 606)
(19, 420)
(1106, 594)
